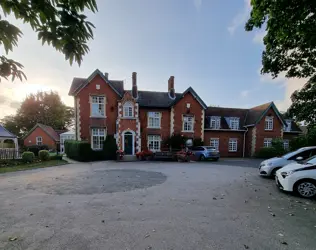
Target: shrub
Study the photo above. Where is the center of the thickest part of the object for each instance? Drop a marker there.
(278, 144)
(43, 155)
(175, 142)
(28, 157)
(267, 153)
(198, 142)
(36, 148)
(109, 148)
(78, 150)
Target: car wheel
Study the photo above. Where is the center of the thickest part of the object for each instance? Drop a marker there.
(202, 158)
(306, 188)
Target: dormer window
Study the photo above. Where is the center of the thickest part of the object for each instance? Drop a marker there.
(215, 122)
(234, 123)
(128, 109)
(268, 123)
(288, 127)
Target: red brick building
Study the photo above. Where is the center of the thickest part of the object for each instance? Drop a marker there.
(144, 119)
(42, 134)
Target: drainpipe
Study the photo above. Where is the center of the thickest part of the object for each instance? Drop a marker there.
(244, 146)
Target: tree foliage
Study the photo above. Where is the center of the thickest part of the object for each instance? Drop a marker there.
(290, 42)
(303, 106)
(59, 23)
(42, 107)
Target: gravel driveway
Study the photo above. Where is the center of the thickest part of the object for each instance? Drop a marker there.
(141, 205)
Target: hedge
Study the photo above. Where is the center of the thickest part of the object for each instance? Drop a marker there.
(28, 157)
(266, 153)
(36, 148)
(43, 155)
(81, 150)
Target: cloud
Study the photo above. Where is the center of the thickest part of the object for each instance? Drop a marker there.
(241, 18)
(197, 4)
(244, 93)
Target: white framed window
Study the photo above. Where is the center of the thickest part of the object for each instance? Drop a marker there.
(286, 144)
(288, 127)
(154, 142)
(128, 109)
(232, 145)
(234, 123)
(268, 123)
(215, 122)
(39, 140)
(188, 123)
(97, 138)
(214, 143)
(267, 142)
(154, 119)
(97, 106)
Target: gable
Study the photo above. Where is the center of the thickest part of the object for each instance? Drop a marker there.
(78, 84)
(190, 91)
(273, 113)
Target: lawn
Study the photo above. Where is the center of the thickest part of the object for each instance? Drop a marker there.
(27, 166)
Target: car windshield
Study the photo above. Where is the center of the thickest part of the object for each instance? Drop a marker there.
(210, 148)
(290, 154)
(311, 160)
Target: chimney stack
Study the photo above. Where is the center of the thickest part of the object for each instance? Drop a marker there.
(134, 87)
(171, 89)
(106, 75)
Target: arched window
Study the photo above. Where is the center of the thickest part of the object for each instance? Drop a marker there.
(128, 109)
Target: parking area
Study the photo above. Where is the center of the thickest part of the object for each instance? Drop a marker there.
(151, 205)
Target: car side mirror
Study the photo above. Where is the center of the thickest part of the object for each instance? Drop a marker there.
(299, 158)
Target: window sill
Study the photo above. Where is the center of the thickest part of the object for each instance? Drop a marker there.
(128, 118)
(154, 127)
(187, 131)
(101, 117)
(268, 130)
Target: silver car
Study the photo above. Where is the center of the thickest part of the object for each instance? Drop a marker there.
(270, 166)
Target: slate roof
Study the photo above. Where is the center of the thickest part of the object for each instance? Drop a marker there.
(294, 128)
(155, 99)
(226, 112)
(6, 133)
(54, 134)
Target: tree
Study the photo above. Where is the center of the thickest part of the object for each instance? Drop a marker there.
(59, 23)
(42, 107)
(303, 106)
(290, 42)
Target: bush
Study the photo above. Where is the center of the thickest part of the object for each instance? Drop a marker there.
(36, 148)
(28, 157)
(43, 155)
(175, 142)
(78, 150)
(109, 148)
(198, 142)
(278, 144)
(266, 153)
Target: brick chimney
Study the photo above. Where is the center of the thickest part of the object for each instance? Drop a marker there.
(106, 75)
(134, 87)
(171, 90)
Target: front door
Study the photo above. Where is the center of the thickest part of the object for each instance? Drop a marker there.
(128, 143)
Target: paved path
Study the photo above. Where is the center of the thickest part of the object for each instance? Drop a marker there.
(151, 205)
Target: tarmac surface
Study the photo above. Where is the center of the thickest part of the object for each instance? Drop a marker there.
(152, 205)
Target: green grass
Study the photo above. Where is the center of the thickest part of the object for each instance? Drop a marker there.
(28, 166)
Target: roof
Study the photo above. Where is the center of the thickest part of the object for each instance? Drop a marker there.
(5, 133)
(195, 95)
(79, 83)
(68, 133)
(294, 128)
(255, 114)
(226, 112)
(47, 129)
(156, 99)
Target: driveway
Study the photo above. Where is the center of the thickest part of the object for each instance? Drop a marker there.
(151, 205)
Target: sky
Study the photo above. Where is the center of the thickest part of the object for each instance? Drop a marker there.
(201, 42)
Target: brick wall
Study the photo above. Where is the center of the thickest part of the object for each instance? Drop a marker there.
(224, 137)
(180, 109)
(261, 133)
(164, 131)
(46, 139)
(85, 110)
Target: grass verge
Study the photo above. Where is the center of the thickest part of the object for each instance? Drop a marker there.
(28, 166)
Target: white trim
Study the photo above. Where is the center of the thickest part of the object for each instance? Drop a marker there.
(192, 121)
(267, 142)
(133, 142)
(98, 97)
(217, 139)
(266, 121)
(159, 140)
(128, 105)
(91, 134)
(153, 117)
(37, 140)
(232, 140)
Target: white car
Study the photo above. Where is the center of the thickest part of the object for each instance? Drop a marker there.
(270, 166)
(299, 178)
